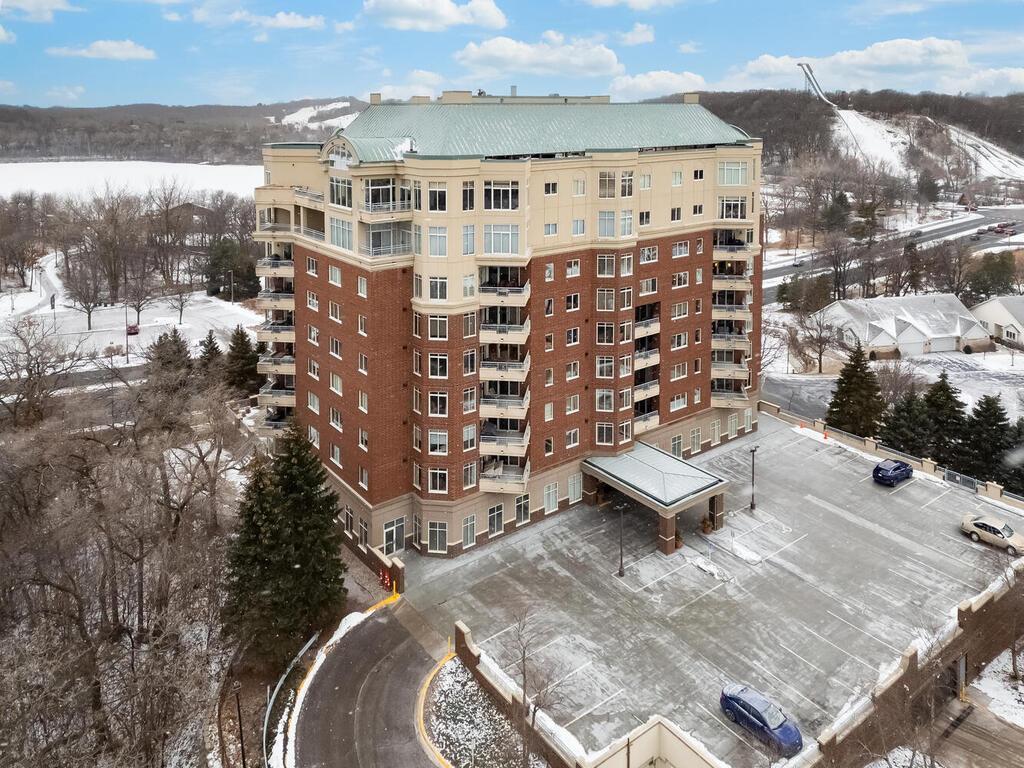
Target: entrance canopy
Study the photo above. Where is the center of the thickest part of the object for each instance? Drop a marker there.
(656, 479)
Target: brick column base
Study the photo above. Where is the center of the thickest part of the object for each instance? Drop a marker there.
(716, 512)
(667, 534)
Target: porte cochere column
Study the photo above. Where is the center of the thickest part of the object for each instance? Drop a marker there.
(667, 534)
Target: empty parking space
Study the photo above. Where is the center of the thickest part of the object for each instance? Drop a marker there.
(808, 597)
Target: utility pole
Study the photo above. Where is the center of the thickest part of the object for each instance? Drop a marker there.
(231, 272)
(236, 688)
(622, 509)
(753, 451)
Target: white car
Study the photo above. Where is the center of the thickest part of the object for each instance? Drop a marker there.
(993, 531)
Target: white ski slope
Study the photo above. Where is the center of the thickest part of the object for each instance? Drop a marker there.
(305, 117)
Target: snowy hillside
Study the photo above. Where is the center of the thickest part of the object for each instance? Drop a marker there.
(80, 178)
(884, 142)
(306, 116)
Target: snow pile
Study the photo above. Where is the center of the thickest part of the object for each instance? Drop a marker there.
(304, 118)
(1006, 695)
(276, 758)
(85, 177)
(710, 568)
(904, 757)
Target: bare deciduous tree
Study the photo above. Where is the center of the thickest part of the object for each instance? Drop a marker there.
(813, 337)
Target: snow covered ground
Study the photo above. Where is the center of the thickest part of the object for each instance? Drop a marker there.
(305, 117)
(903, 757)
(983, 373)
(203, 313)
(1005, 695)
(82, 178)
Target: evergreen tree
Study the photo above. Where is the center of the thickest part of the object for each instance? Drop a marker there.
(240, 363)
(857, 404)
(906, 427)
(285, 572)
(988, 436)
(946, 420)
(1015, 478)
(927, 187)
(210, 355)
(169, 362)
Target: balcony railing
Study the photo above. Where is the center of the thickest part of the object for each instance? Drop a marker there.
(721, 366)
(506, 438)
(276, 294)
(505, 401)
(274, 263)
(503, 472)
(730, 307)
(309, 193)
(395, 249)
(270, 226)
(277, 359)
(648, 355)
(506, 290)
(503, 365)
(733, 247)
(730, 337)
(393, 206)
(271, 388)
(649, 323)
(272, 327)
(312, 234)
(647, 386)
(722, 392)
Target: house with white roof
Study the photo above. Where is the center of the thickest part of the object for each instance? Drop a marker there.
(900, 326)
(1002, 317)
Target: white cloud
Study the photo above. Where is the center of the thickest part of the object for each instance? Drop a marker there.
(344, 26)
(65, 92)
(553, 55)
(638, 35)
(688, 47)
(36, 10)
(419, 82)
(646, 85)
(870, 10)
(636, 5)
(905, 64)
(171, 16)
(435, 15)
(280, 20)
(5, 36)
(118, 50)
(7, 87)
(261, 37)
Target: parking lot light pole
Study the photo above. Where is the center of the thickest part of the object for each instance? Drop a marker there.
(752, 452)
(236, 688)
(622, 571)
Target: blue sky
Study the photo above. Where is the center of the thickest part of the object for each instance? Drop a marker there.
(102, 52)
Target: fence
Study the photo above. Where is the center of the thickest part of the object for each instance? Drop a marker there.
(965, 480)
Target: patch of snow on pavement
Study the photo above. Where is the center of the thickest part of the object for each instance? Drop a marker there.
(1006, 696)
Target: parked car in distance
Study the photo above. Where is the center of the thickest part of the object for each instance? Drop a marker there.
(754, 711)
(892, 471)
(916, 233)
(982, 230)
(1011, 231)
(133, 330)
(992, 530)
(975, 236)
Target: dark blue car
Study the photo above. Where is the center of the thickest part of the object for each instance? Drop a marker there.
(762, 717)
(892, 471)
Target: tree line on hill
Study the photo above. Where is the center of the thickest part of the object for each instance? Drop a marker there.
(931, 422)
(133, 566)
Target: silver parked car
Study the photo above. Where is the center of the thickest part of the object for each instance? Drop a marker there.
(993, 531)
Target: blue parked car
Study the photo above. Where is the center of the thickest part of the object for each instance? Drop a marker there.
(761, 716)
(892, 471)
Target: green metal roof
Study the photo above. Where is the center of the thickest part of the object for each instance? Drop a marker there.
(382, 131)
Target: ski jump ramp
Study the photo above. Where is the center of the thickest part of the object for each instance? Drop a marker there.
(813, 82)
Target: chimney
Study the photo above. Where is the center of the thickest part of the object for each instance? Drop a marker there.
(514, 90)
(375, 98)
(691, 98)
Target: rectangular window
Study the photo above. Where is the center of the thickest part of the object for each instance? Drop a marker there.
(576, 488)
(625, 365)
(438, 404)
(438, 480)
(468, 286)
(437, 533)
(364, 402)
(676, 214)
(469, 325)
(606, 265)
(336, 383)
(645, 219)
(680, 310)
(680, 279)
(605, 433)
(364, 439)
(606, 184)
(572, 370)
(468, 193)
(626, 223)
(361, 287)
(364, 363)
(579, 227)
(438, 240)
(648, 286)
(494, 519)
(678, 402)
(677, 445)
(679, 340)
(732, 173)
(468, 239)
(334, 311)
(550, 230)
(626, 265)
(572, 302)
(678, 371)
(438, 365)
(438, 289)
(314, 435)
(469, 362)
(732, 207)
(698, 174)
(551, 498)
(438, 327)
(572, 268)
(572, 438)
(341, 192)
(677, 178)
(313, 368)
(417, 437)
(605, 299)
(311, 266)
(336, 347)
(626, 186)
(605, 366)
(336, 454)
(579, 187)
(334, 274)
(312, 301)
(313, 402)
(341, 233)
(501, 239)
(681, 249)
(313, 335)
(468, 531)
(501, 195)
(695, 440)
(700, 245)
(604, 400)
(698, 209)
(606, 223)
(437, 196)
(335, 419)
(437, 442)
(522, 509)
(625, 431)
(626, 298)
(572, 336)
(469, 437)
(649, 254)
(625, 331)
(469, 470)
(550, 187)
(469, 400)
(549, 411)
(645, 181)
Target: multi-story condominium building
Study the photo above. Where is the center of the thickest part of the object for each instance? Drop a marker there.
(467, 297)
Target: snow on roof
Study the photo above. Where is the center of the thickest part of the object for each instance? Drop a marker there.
(1012, 304)
(932, 314)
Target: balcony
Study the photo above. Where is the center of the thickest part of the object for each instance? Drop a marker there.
(499, 477)
(645, 328)
(310, 196)
(275, 394)
(646, 359)
(721, 370)
(384, 251)
(500, 370)
(309, 234)
(504, 296)
(275, 300)
(504, 406)
(272, 425)
(269, 230)
(278, 362)
(275, 268)
(271, 331)
(728, 398)
(731, 312)
(393, 210)
(504, 442)
(646, 422)
(731, 283)
(730, 341)
(504, 333)
(646, 390)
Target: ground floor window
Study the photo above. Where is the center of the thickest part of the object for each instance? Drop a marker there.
(437, 536)
(394, 536)
(716, 431)
(522, 509)
(551, 497)
(349, 520)
(677, 445)
(468, 531)
(748, 419)
(734, 424)
(494, 519)
(575, 488)
(695, 440)
(364, 533)
(417, 531)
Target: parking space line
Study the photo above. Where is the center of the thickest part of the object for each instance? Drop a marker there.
(496, 634)
(766, 558)
(865, 478)
(565, 677)
(594, 531)
(674, 611)
(818, 669)
(784, 684)
(866, 633)
(663, 576)
(901, 486)
(948, 490)
(943, 573)
(841, 650)
(599, 704)
(731, 727)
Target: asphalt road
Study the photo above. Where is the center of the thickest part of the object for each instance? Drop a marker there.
(360, 709)
(808, 265)
(804, 395)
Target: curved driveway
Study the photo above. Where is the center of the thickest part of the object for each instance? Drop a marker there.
(360, 708)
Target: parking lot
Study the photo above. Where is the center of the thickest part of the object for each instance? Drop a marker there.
(808, 598)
